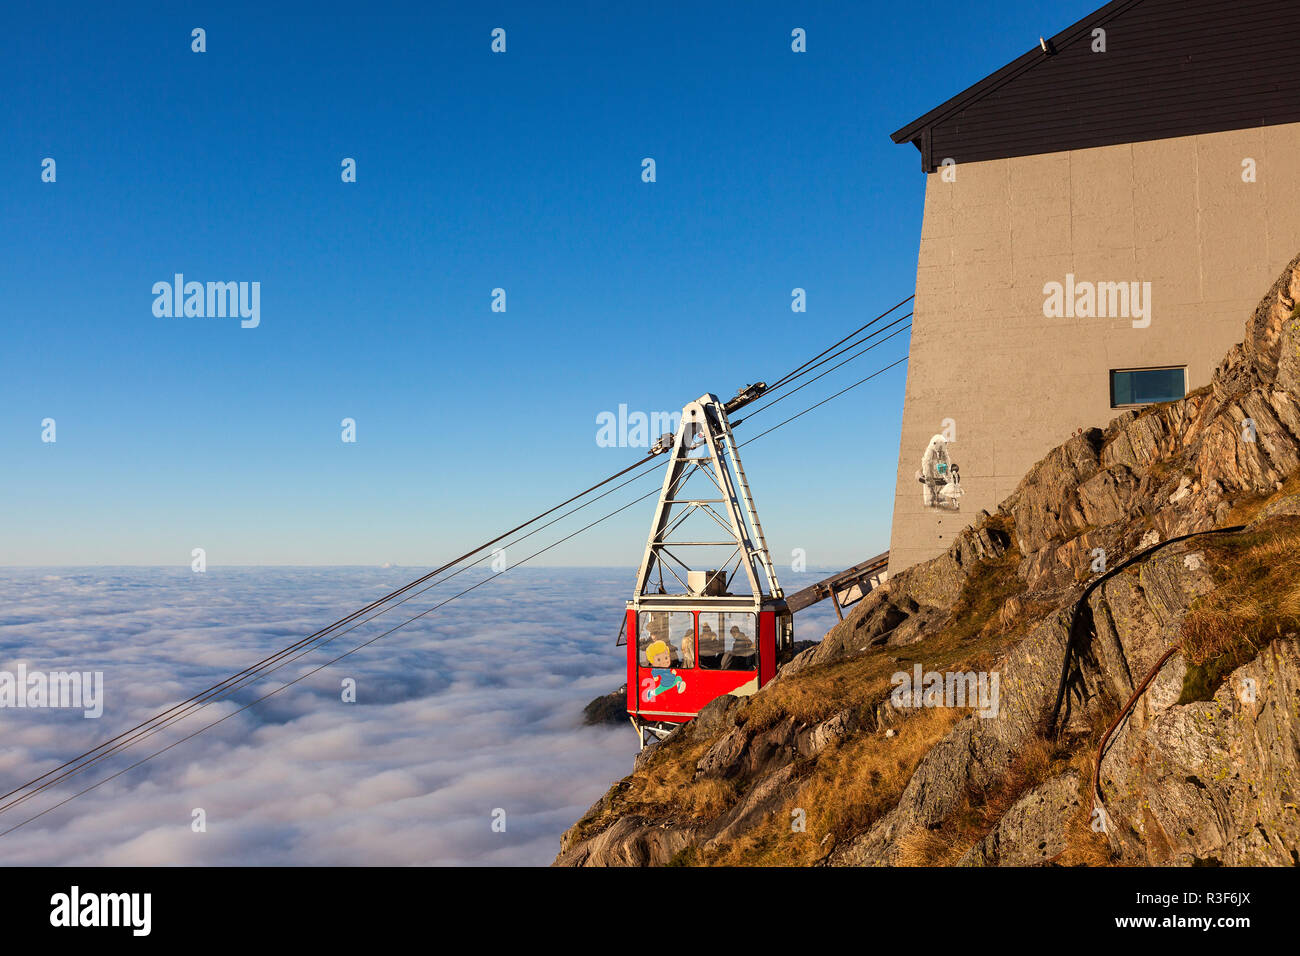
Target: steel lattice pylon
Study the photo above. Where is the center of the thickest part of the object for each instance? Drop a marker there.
(704, 444)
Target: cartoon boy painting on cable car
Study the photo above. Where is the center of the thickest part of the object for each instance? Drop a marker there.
(660, 658)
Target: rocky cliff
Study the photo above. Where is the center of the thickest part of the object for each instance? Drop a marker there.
(1114, 624)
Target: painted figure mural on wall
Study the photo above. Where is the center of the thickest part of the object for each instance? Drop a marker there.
(940, 479)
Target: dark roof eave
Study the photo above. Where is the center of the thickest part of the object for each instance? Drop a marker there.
(912, 131)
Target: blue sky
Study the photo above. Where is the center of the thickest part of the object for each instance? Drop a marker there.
(474, 171)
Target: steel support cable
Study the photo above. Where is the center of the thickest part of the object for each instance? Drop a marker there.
(811, 367)
(235, 680)
(824, 401)
(303, 653)
(319, 667)
(249, 676)
(781, 381)
(383, 634)
(143, 730)
(344, 620)
(828, 371)
(256, 672)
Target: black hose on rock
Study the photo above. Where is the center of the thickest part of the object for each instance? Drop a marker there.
(1077, 625)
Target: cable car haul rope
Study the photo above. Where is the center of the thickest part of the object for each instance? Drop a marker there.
(713, 433)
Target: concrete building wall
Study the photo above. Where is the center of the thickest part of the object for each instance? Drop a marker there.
(1174, 212)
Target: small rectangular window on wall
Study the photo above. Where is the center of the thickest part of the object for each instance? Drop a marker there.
(1146, 386)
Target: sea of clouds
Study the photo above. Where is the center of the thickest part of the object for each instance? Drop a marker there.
(473, 709)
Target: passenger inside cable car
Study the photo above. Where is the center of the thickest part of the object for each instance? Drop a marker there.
(711, 646)
(742, 653)
(731, 645)
(688, 642)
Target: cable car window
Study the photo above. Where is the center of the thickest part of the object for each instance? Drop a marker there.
(676, 629)
(727, 641)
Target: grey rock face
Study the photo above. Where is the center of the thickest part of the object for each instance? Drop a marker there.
(1032, 831)
(1212, 781)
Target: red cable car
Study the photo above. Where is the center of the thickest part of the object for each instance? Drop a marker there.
(690, 637)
